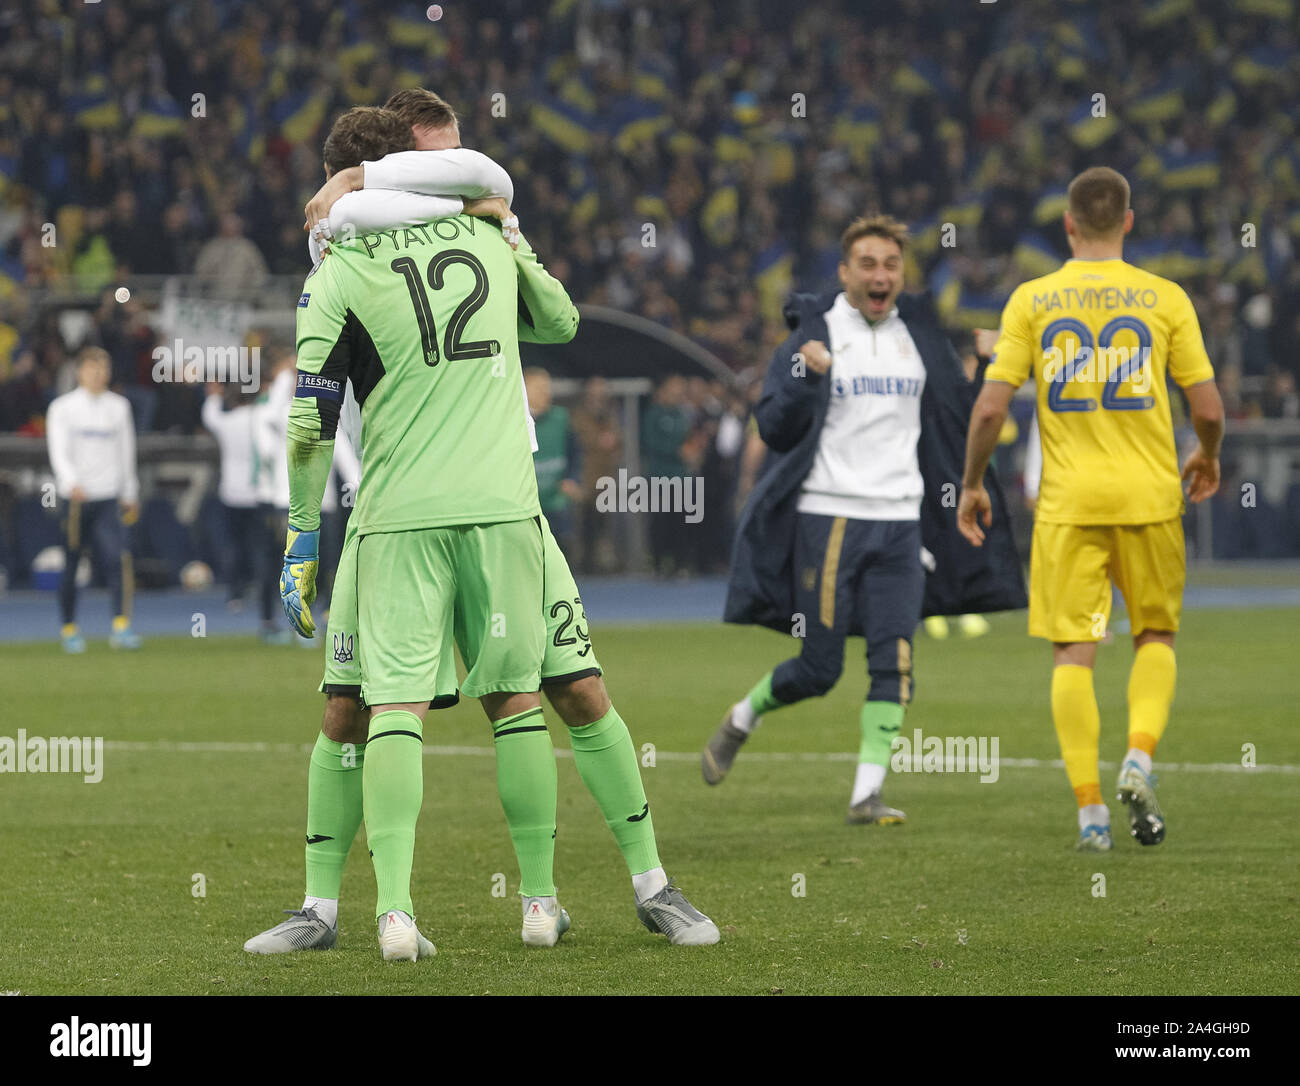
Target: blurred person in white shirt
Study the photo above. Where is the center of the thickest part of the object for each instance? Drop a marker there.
(91, 439)
(230, 421)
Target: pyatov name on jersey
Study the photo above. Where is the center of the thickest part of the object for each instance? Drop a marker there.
(175, 364)
(82, 754)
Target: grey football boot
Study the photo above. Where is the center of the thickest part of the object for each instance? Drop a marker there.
(304, 930)
(669, 913)
(721, 750)
(873, 811)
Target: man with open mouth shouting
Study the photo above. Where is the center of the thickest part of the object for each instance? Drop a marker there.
(861, 410)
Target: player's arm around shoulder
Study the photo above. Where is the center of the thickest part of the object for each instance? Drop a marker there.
(547, 314)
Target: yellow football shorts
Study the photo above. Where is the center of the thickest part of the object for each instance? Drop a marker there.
(1072, 567)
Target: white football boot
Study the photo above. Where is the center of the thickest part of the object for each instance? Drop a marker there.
(399, 941)
(544, 921)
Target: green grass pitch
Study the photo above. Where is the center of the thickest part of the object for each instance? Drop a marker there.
(979, 893)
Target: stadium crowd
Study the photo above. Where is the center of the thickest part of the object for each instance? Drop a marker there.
(184, 137)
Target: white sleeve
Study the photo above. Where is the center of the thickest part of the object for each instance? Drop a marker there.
(126, 445)
(368, 210)
(346, 463)
(56, 436)
(528, 415)
(212, 415)
(1033, 470)
(350, 424)
(458, 171)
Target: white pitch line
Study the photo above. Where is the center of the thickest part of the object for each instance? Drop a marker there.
(165, 745)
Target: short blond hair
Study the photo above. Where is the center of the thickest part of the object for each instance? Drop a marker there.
(873, 226)
(1099, 199)
(420, 108)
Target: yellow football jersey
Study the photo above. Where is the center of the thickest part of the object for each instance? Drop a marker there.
(1100, 337)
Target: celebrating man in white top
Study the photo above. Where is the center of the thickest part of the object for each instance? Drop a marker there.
(92, 451)
(862, 411)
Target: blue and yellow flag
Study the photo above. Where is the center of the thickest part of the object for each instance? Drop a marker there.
(965, 212)
(857, 130)
(1188, 170)
(925, 236)
(575, 90)
(1161, 12)
(1262, 64)
(1089, 131)
(159, 116)
(1273, 9)
(720, 216)
(652, 79)
(300, 115)
(977, 309)
(12, 275)
(1035, 255)
(584, 195)
(1051, 205)
(732, 144)
(920, 76)
(1222, 107)
(773, 278)
(779, 157)
(410, 28)
(350, 57)
(1249, 268)
(946, 287)
(1172, 258)
(745, 108)
(92, 107)
(1161, 102)
(562, 124)
(637, 122)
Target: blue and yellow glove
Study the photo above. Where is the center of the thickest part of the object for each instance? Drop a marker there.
(298, 579)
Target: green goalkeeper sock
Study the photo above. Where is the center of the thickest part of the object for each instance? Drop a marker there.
(393, 791)
(606, 759)
(529, 787)
(880, 723)
(761, 699)
(334, 808)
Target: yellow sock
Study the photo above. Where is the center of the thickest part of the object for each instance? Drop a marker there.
(68, 630)
(120, 623)
(1150, 694)
(1078, 728)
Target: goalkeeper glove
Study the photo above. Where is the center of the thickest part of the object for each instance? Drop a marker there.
(298, 579)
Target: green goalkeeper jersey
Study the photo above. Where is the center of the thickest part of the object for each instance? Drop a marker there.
(423, 321)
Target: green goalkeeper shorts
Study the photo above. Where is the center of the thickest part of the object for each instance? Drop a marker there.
(410, 587)
(569, 654)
